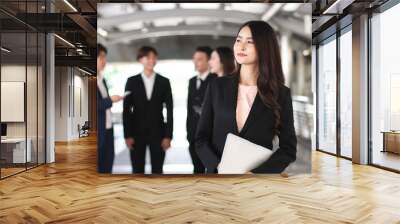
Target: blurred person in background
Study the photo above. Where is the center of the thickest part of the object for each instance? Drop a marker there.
(222, 61)
(105, 132)
(197, 88)
(143, 119)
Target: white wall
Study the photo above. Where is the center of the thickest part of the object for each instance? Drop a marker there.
(70, 83)
(61, 103)
(12, 73)
(33, 125)
(16, 73)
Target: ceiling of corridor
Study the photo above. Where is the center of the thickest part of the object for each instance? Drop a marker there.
(127, 22)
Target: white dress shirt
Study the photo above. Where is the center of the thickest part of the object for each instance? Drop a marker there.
(201, 77)
(104, 94)
(148, 83)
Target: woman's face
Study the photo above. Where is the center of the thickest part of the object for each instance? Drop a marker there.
(244, 48)
(215, 63)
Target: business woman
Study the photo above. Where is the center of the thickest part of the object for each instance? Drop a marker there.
(222, 61)
(253, 103)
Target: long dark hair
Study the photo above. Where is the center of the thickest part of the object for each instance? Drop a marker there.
(227, 59)
(270, 77)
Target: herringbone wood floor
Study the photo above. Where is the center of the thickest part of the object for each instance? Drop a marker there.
(70, 191)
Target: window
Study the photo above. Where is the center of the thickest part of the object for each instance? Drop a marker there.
(346, 93)
(327, 96)
(22, 77)
(385, 89)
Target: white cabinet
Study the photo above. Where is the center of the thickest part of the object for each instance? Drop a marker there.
(19, 155)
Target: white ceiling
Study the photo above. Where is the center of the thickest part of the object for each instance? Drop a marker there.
(141, 20)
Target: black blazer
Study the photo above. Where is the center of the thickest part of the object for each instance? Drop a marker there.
(144, 118)
(102, 105)
(218, 118)
(195, 101)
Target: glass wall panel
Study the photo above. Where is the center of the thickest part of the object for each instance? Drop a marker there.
(22, 64)
(327, 96)
(41, 98)
(31, 98)
(346, 94)
(32, 87)
(13, 105)
(385, 89)
(41, 88)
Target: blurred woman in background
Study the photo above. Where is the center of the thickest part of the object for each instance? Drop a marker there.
(222, 61)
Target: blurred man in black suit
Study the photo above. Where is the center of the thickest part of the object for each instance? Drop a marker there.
(197, 88)
(143, 120)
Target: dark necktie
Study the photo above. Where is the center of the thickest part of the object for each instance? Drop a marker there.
(200, 81)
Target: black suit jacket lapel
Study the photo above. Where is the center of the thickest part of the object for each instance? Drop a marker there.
(143, 87)
(231, 97)
(209, 77)
(256, 109)
(203, 85)
(105, 85)
(155, 87)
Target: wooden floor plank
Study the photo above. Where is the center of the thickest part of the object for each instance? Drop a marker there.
(71, 191)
